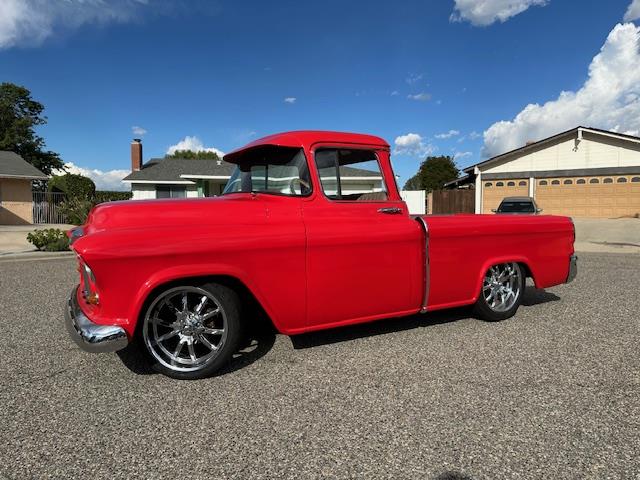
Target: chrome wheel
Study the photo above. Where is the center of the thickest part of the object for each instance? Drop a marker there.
(502, 286)
(185, 328)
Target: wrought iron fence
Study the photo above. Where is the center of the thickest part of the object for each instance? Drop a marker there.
(46, 207)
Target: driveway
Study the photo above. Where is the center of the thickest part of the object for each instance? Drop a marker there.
(550, 393)
(607, 235)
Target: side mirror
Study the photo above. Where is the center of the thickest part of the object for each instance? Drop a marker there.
(494, 210)
(538, 210)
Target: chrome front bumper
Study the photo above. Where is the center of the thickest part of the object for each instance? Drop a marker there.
(573, 268)
(90, 336)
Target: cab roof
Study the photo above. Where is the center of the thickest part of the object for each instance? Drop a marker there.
(306, 138)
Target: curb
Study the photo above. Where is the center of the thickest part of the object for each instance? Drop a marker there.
(35, 255)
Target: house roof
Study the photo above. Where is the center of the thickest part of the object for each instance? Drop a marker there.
(179, 170)
(532, 145)
(13, 165)
(185, 171)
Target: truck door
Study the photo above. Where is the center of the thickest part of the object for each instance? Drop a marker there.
(364, 252)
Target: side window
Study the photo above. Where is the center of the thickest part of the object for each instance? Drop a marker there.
(350, 175)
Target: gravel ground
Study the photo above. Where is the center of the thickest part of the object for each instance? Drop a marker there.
(550, 393)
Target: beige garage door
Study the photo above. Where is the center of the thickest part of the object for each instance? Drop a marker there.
(494, 191)
(598, 197)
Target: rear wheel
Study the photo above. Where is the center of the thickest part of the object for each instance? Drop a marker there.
(190, 331)
(501, 292)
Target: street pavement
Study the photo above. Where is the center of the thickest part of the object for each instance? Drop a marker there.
(551, 393)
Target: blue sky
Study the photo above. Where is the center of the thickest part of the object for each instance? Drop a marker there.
(446, 77)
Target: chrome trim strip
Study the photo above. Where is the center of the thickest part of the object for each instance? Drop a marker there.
(426, 271)
(90, 336)
(573, 268)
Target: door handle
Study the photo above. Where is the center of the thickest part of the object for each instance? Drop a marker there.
(390, 210)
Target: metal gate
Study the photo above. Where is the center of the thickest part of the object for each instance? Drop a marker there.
(46, 207)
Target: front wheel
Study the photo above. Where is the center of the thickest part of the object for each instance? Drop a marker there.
(190, 331)
(501, 292)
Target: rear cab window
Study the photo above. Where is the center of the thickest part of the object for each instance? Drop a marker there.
(350, 175)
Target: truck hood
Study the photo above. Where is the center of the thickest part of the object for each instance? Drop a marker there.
(226, 210)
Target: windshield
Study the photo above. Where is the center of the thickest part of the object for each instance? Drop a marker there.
(273, 170)
(516, 207)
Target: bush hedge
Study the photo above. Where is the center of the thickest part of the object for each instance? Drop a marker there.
(49, 240)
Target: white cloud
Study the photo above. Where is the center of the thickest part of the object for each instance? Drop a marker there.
(31, 22)
(138, 131)
(633, 12)
(420, 97)
(485, 12)
(412, 144)
(609, 99)
(104, 180)
(459, 155)
(474, 135)
(194, 144)
(449, 134)
(414, 78)
(394, 93)
(290, 100)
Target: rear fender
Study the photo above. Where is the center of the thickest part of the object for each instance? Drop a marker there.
(522, 260)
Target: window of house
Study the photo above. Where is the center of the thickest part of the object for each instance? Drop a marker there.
(350, 174)
(555, 182)
(635, 179)
(594, 180)
(543, 182)
(500, 184)
(522, 183)
(581, 181)
(511, 184)
(171, 191)
(608, 180)
(568, 182)
(621, 180)
(488, 184)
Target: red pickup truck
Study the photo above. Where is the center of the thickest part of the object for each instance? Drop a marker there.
(311, 226)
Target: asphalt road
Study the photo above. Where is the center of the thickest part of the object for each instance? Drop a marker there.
(551, 393)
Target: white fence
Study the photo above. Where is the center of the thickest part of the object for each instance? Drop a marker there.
(415, 200)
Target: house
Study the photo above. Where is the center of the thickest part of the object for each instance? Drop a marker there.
(187, 178)
(583, 172)
(16, 202)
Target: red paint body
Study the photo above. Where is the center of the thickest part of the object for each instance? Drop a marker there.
(311, 262)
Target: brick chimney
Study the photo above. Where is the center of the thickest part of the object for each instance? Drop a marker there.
(136, 155)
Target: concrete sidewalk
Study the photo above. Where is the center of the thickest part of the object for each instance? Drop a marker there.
(13, 238)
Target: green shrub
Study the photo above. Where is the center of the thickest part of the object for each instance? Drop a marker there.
(110, 196)
(74, 186)
(76, 210)
(49, 240)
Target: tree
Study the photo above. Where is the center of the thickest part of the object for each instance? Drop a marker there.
(433, 173)
(19, 115)
(74, 186)
(193, 155)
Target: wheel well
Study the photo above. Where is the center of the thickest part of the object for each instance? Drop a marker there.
(526, 270)
(251, 306)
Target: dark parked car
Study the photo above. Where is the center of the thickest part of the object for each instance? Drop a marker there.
(517, 205)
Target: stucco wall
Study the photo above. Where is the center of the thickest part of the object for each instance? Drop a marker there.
(15, 202)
